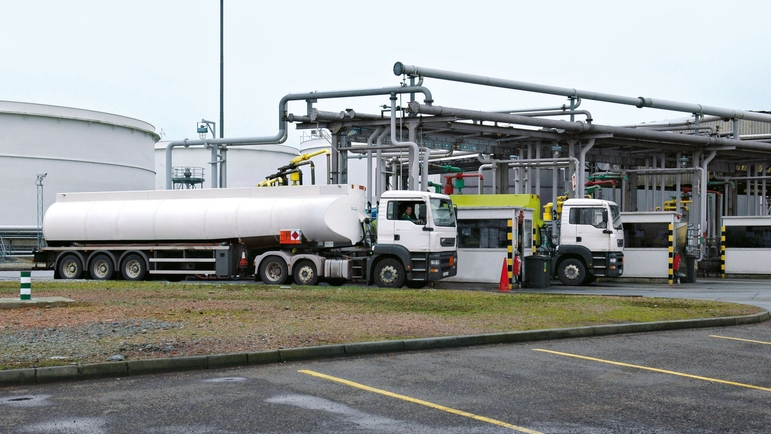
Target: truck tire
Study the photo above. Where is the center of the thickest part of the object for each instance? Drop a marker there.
(101, 267)
(389, 273)
(589, 279)
(273, 270)
(571, 272)
(133, 268)
(70, 267)
(305, 273)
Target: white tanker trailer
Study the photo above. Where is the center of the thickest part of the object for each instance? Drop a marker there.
(307, 233)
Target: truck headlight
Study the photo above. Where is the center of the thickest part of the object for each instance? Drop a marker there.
(612, 260)
(435, 262)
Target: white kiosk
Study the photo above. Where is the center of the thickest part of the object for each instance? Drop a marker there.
(652, 240)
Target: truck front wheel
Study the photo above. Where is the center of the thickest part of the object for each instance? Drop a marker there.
(571, 272)
(389, 273)
(70, 267)
(273, 270)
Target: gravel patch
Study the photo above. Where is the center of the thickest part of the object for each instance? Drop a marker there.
(54, 345)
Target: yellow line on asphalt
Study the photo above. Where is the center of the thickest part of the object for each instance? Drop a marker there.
(739, 339)
(663, 371)
(418, 401)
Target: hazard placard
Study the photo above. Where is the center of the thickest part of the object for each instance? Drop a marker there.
(291, 236)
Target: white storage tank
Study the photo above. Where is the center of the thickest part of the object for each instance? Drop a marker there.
(79, 150)
(246, 165)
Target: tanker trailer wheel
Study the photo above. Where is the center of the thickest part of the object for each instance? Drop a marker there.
(133, 268)
(70, 267)
(305, 273)
(389, 273)
(571, 272)
(101, 267)
(273, 270)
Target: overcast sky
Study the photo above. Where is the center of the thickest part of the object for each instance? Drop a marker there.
(158, 60)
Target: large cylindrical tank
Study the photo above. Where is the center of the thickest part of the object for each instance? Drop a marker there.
(255, 215)
(246, 165)
(79, 150)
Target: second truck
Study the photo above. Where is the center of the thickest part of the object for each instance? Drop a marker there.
(587, 241)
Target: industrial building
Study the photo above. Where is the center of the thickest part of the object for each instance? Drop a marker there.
(711, 164)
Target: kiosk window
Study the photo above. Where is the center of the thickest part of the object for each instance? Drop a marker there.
(748, 236)
(483, 234)
(646, 234)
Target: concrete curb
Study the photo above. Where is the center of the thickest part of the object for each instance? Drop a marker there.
(129, 368)
(15, 303)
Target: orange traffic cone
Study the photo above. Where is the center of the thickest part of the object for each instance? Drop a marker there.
(243, 262)
(503, 286)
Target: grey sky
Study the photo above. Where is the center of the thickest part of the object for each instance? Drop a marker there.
(158, 60)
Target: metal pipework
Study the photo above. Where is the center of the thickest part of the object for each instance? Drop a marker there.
(370, 141)
(557, 113)
(586, 128)
(526, 163)
(639, 102)
(574, 105)
(414, 151)
(281, 136)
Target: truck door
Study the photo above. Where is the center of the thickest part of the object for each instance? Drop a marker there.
(409, 219)
(591, 228)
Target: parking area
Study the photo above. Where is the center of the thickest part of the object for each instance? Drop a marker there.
(689, 381)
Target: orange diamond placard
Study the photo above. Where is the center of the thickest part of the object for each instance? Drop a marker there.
(291, 236)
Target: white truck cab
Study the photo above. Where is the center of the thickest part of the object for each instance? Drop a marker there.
(591, 241)
(420, 228)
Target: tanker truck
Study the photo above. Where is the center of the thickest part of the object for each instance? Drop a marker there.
(306, 234)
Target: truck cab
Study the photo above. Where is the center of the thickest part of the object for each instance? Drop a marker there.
(591, 241)
(418, 229)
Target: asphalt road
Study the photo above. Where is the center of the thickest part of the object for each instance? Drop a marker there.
(690, 381)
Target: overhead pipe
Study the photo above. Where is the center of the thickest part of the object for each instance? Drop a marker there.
(574, 103)
(675, 123)
(558, 113)
(380, 180)
(703, 198)
(711, 128)
(282, 134)
(412, 145)
(580, 168)
(479, 172)
(639, 102)
(528, 163)
(370, 141)
(586, 128)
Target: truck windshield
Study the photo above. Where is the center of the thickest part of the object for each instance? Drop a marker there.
(443, 212)
(616, 216)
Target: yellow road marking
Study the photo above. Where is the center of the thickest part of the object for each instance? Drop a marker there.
(663, 371)
(418, 401)
(739, 339)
